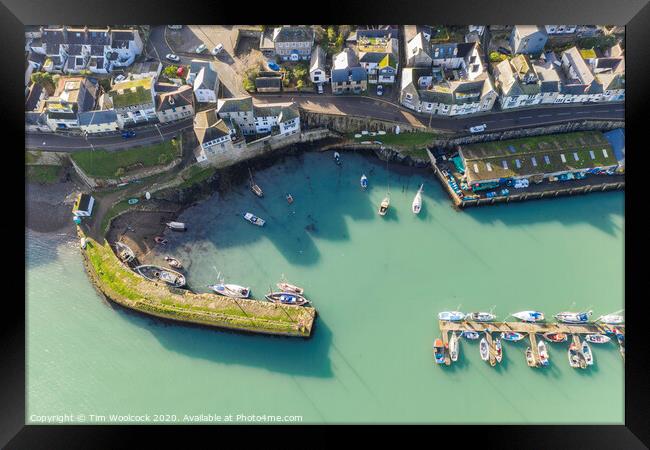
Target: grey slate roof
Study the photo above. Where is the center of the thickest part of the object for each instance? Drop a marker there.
(74, 49)
(347, 65)
(174, 99)
(97, 117)
(208, 126)
(36, 58)
(239, 104)
(268, 82)
(76, 36)
(98, 37)
(53, 36)
(97, 50)
(293, 34)
(447, 50)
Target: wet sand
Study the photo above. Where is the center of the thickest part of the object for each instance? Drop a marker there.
(49, 206)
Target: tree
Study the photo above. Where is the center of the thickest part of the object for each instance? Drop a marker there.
(300, 84)
(339, 42)
(119, 172)
(331, 34)
(300, 71)
(170, 71)
(45, 80)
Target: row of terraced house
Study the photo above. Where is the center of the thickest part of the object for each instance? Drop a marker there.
(454, 78)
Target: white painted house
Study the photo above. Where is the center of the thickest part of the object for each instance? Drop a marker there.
(204, 79)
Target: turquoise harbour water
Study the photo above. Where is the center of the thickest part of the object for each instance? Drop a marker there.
(377, 283)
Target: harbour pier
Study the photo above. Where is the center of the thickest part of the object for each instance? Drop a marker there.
(527, 328)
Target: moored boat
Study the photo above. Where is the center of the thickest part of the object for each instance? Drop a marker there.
(451, 316)
(471, 335)
(176, 226)
(124, 252)
(621, 343)
(254, 219)
(160, 240)
(254, 187)
(383, 207)
(597, 338)
(530, 359)
(364, 182)
(529, 316)
(480, 317)
(286, 298)
(512, 336)
(484, 349)
(288, 287)
(586, 352)
(576, 358)
(155, 273)
(611, 319)
(439, 351)
(337, 158)
(543, 353)
(573, 317)
(289, 198)
(498, 350)
(173, 262)
(231, 290)
(555, 337)
(454, 346)
(416, 206)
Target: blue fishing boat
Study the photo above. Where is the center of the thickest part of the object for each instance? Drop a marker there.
(364, 182)
(286, 298)
(512, 336)
(439, 351)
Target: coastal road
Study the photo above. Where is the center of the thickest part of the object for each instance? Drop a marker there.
(145, 135)
(495, 121)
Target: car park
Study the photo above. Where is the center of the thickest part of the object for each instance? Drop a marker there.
(201, 48)
(216, 50)
(477, 128)
(172, 57)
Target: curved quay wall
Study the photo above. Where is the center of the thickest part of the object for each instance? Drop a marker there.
(124, 287)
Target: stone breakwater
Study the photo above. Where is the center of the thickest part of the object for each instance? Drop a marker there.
(124, 287)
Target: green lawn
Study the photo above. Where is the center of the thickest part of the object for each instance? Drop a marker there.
(196, 174)
(116, 209)
(43, 174)
(416, 138)
(105, 164)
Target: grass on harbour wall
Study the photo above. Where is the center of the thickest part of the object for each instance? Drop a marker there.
(125, 287)
(43, 174)
(105, 164)
(411, 144)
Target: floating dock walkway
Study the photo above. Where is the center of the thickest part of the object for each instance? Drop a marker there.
(573, 331)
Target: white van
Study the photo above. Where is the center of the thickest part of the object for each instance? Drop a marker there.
(174, 27)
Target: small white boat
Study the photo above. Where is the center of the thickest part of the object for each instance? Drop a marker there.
(254, 219)
(176, 226)
(512, 336)
(573, 317)
(453, 346)
(364, 182)
(576, 358)
(530, 359)
(451, 316)
(597, 338)
(498, 355)
(471, 335)
(173, 262)
(543, 353)
(124, 252)
(529, 316)
(155, 273)
(288, 287)
(337, 158)
(231, 290)
(383, 207)
(586, 352)
(484, 349)
(611, 319)
(83, 242)
(480, 317)
(416, 206)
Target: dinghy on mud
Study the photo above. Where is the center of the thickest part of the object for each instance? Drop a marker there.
(231, 290)
(286, 298)
(155, 273)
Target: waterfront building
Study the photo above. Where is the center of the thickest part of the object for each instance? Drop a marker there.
(204, 79)
(347, 75)
(83, 206)
(274, 118)
(216, 136)
(73, 95)
(175, 104)
(98, 121)
(133, 101)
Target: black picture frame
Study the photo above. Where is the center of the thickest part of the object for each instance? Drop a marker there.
(14, 14)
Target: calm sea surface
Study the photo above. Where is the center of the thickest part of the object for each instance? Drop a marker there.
(377, 284)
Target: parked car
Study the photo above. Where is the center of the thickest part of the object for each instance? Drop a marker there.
(320, 88)
(172, 57)
(380, 89)
(201, 48)
(119, 78)
(217, 49)
(128, 134)
(174, 27)
(477, 128)
(273, 66)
